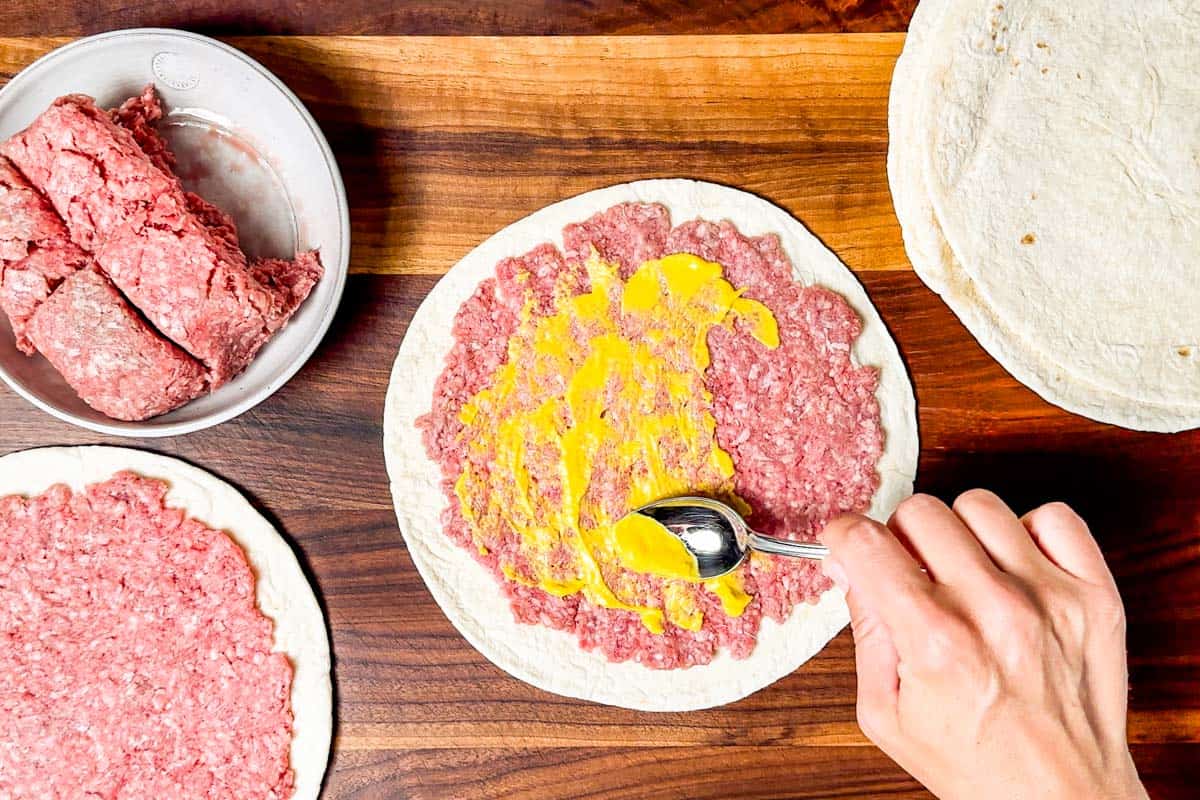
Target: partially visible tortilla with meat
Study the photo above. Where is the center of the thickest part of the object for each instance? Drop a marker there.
(469, 594)
(282, 592)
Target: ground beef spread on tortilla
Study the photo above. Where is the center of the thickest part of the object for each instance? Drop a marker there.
(799, 421)
(135, 662)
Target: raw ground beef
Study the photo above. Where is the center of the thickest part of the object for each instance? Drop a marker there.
(109, 355)
(174, 256)
(628, 234)
(289, 281)
(36, 252)
(135, 662)
(140, 116)
(800, 422)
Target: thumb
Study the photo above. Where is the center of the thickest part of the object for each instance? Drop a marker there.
(875, 658)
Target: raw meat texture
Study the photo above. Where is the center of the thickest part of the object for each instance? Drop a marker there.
(172, 255)
(801, 422)
(140, 115)
(136, 662)
(109, 355)
(36, 253)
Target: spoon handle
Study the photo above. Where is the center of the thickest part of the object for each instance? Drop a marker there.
(784, 547)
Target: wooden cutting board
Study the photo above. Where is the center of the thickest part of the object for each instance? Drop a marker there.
(442, 141)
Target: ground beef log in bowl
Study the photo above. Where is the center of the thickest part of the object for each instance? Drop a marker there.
(108, 354)
(36, 252)
(140, 116)
(173, 257)
(801, 422)
(136, 663)
(290, 281)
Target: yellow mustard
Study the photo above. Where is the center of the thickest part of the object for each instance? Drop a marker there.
(608, 390)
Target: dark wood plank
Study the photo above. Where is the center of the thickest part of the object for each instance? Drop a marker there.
(657, 773)
(458, 17)
(1169, 771)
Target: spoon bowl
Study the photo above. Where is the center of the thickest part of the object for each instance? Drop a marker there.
(717, 536)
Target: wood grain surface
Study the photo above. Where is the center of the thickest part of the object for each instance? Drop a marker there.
(444, 140)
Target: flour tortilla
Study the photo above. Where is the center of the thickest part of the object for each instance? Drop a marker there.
(469, 594)
(1090, 315)
(282, 591)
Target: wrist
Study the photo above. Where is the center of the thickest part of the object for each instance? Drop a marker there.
(1130, 786)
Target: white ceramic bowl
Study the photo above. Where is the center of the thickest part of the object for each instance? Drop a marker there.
(243, 141)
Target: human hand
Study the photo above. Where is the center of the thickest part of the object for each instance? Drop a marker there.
(999, 672)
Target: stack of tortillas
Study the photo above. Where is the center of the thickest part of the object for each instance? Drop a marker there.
(1045, 167)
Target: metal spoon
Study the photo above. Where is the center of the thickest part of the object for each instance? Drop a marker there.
(718, 536)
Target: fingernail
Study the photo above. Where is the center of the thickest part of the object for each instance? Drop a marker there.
(833, 570)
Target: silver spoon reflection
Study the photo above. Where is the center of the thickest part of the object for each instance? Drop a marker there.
(717, 535)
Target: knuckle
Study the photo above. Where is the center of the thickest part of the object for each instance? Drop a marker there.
(916, 506)
(874, 721)
(1012, 607)
(947, 642)
(1069, 619)
(1019, 626)
(866, 627)
(1018, 655)
(1058, 512)
(848, 529)
(975, 498)
(1103, 606)
(1058, 507)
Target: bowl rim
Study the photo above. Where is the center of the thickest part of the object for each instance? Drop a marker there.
(294, 365)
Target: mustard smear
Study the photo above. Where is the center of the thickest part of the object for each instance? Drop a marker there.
(644, 545)
(605, 392)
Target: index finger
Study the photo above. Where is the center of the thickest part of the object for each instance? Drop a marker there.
(882, 577)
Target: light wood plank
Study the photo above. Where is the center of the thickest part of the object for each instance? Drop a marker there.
(443, 141)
